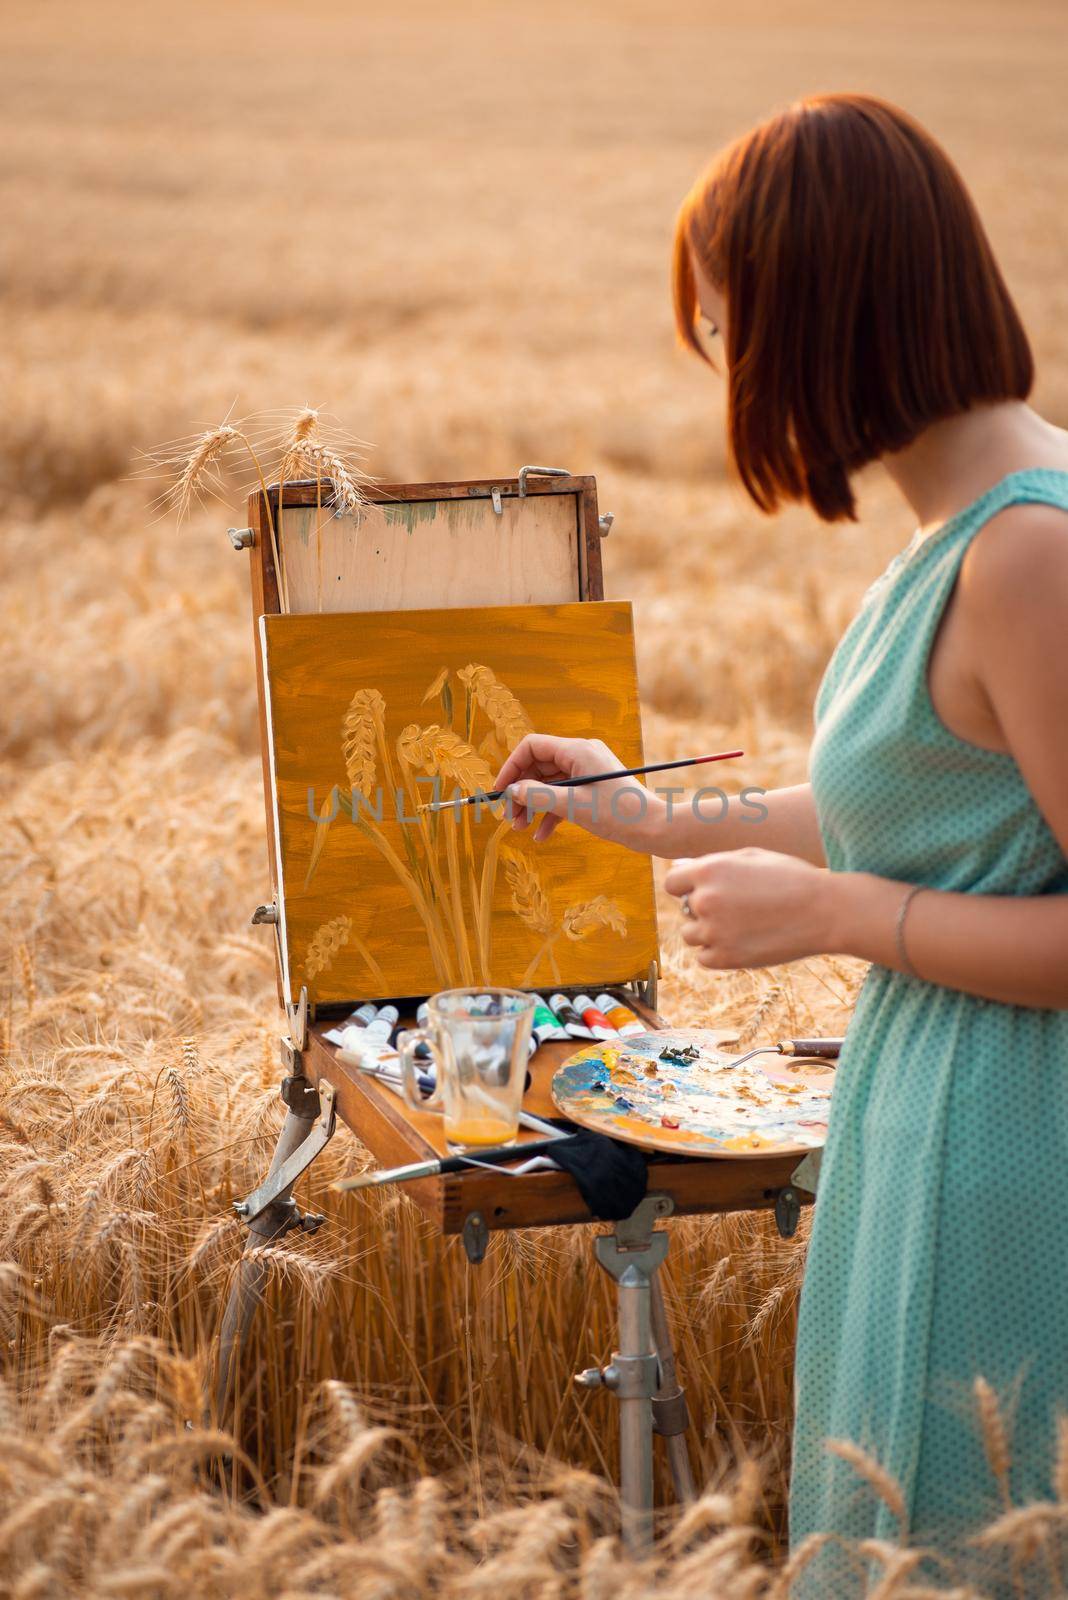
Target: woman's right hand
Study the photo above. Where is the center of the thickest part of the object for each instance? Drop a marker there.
(621, 809)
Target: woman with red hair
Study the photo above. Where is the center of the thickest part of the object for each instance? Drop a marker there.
(863, 319)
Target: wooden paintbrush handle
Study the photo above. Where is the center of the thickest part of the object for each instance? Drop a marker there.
(825, 1049)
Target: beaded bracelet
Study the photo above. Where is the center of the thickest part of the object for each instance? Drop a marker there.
(899, 929)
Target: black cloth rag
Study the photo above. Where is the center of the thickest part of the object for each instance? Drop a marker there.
(612, 1178)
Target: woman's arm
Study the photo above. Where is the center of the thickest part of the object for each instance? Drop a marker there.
(782, 820)
(660, 821)
(752, 908)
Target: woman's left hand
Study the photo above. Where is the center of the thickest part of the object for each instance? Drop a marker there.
(754, 908)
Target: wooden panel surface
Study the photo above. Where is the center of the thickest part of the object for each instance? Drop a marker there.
(398, 903)
(441, 553)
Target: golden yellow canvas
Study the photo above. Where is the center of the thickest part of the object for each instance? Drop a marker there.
(371, 715)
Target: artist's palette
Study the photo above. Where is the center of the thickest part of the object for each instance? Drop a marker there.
(679, 1092)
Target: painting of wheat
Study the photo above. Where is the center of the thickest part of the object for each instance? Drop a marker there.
(430, 899)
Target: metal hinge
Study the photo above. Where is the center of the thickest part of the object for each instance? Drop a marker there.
(282, 1180)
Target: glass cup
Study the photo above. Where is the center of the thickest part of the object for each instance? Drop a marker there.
(479, 1039)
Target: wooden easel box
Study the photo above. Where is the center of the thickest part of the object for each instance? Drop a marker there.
(488, 541)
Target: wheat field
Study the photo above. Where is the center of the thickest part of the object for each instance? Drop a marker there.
(447, 226)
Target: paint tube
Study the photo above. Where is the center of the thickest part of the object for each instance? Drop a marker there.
(368, 1053)
(384, 1066)
(569, 1017)
(545, 1025)
(383, 1026)
(362, 1016)
(621, 1017)
(595, 1020)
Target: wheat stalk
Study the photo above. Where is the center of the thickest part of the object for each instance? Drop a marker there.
(198, 466)
(326, 463)
(874, 1475)
(995, 1434)
(305, 427)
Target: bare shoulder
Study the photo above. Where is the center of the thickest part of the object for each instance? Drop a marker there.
(1016, 567)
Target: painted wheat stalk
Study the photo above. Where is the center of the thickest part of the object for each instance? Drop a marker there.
(442, 754)
(531, 905)
(586, 916)
(579, 920)
(504, 711)
(361, 732)
(327, 941)
(362, 743)
(529, 900)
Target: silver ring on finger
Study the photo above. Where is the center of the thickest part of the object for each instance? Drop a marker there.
(687, 909)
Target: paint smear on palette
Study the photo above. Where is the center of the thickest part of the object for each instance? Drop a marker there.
(679, 1092)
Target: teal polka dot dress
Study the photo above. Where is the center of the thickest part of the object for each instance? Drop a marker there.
(939, 1247)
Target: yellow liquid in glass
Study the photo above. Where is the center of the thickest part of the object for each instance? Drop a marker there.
(480, 1131)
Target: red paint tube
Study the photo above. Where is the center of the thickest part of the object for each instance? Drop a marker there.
(595, 1020)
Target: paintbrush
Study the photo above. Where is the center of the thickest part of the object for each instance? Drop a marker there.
(580, 783)
(442, 1164)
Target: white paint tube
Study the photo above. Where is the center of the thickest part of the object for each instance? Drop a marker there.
(383, 1024)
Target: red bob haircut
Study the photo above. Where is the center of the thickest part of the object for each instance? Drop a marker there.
(864, 301)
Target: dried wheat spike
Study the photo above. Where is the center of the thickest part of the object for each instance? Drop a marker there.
(877, 1477)
(198, 464)
(764, 1009)
(995, 1436)
(305, 427)
(1060, 1468)
(323, 462)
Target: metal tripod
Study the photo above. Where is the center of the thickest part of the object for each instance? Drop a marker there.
(641, 1373)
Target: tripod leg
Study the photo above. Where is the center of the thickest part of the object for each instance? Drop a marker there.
(631, 1256)
(632, 1366)
(250, 1276)
(671, 1416)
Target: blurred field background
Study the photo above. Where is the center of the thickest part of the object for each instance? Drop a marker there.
(447, 225)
